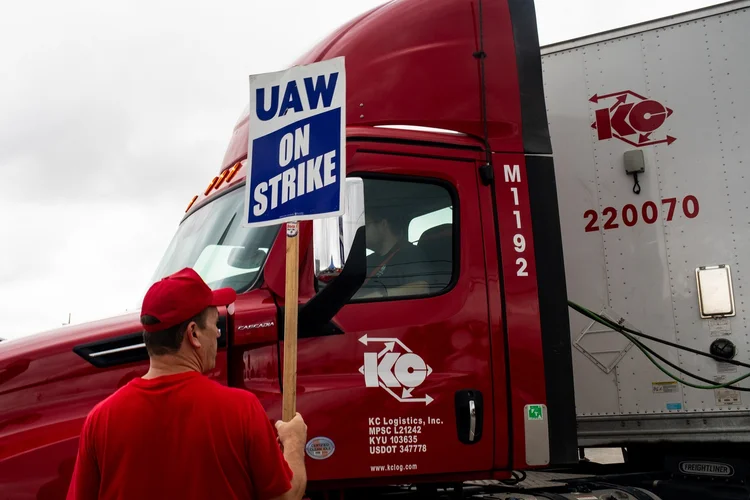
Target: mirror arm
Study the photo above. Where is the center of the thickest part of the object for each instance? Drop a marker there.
(307, 330)
(316, 315)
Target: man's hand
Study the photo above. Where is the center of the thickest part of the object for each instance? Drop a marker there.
(293, 436)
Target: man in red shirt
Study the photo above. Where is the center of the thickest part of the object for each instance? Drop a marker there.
(175, 433)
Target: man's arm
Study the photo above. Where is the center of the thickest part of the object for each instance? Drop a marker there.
(292, 436)
(84, 484)
(275, 475)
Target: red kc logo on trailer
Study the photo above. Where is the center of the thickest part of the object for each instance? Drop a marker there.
(623, 119)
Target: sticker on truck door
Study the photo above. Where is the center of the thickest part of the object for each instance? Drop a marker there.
(631, 118)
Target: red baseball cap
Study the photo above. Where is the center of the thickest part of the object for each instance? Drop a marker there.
(179, 297)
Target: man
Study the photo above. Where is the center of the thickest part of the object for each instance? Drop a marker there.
(175, 433)
(396, 267)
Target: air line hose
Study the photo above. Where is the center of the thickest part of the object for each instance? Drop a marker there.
(631, 335)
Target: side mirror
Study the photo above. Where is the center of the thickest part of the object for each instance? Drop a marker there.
(340, 255)
(333, 238)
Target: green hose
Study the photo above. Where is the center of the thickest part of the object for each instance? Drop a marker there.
(645, 350)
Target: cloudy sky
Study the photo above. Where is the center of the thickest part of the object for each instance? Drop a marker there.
(114, 114)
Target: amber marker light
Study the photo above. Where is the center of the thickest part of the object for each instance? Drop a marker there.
(191, 203)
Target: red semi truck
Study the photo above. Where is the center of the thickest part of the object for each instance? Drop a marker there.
(462, 380)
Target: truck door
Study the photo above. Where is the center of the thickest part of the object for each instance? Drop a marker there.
(405, 388)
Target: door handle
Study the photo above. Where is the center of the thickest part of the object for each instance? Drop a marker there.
(472, 420)
(469, 413)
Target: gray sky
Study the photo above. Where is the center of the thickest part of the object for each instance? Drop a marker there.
(113, 115)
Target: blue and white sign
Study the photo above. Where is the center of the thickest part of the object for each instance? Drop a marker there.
(296, 144)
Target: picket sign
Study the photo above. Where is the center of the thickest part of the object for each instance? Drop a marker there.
(296, 170)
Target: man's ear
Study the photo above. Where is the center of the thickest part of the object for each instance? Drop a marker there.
(191, 333)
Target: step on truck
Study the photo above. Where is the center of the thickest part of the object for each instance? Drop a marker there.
(579, 221)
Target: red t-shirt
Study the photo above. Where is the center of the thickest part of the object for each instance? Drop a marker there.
(179, 436)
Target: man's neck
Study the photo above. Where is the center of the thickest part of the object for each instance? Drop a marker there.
(388, 245)
(161, 366)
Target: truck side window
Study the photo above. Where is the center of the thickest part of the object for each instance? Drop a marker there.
(410, 238)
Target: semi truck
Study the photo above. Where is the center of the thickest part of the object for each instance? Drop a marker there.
(577, 220)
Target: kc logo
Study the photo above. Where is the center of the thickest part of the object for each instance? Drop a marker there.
(401, 371)
(623, 119)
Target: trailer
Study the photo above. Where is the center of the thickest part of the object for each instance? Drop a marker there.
(649, 127)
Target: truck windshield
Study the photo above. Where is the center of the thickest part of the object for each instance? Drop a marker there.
(212, 242)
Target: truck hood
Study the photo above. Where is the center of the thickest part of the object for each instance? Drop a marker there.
(46, 391)
(47, 356)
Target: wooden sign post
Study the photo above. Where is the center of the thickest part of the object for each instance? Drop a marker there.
(289, 406)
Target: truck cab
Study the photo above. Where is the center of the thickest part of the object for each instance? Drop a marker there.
(434, 343)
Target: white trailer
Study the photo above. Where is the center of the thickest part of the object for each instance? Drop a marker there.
(670, 255)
